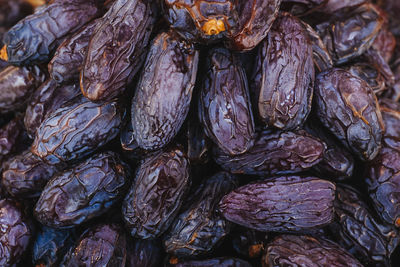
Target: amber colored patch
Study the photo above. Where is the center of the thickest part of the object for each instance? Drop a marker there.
(3, 53)
(397, 222)
(36, 3)
(173, 260)
(213, 27)
(255, 250)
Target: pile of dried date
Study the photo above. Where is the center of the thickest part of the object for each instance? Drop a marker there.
(200, 133)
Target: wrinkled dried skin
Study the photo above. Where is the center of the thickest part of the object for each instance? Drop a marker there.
(162, 98)
(157, 194)
(348, 108)
(255, 20)
(220, 262)
(375, 58)
(334, 5)
(224, 107)
(259, 206)
(369, 74)
(284, 75)
(394, 92)
(17, 85)
(116, 49)
(15, 233)
(34, 38)
(50, 246)
(70, 55)
(103, 245)
(128, 141)
(321, 58)
(359, 232)
(385, 43)
(12, 138)
(352, 31)
(146, 253)
(25, 175)
(45, 100)
(198, 144)
(199, 227)
(83, 192)
(275, 153)
(291, 250)
(75, 130)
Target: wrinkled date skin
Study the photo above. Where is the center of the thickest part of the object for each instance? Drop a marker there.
(17, 85)
(13, 138)
(162, 99)
(220, 262)
(15, 233)
(76, 129)
(291, 250)
(359, 232)
(275, 153)
(70, 55)
(116, 49)
(83, 192)
(157, 194)
(103, 245)
(385, 43)
(34, 38)
(331, 6)
(147, 253)
(25, 175)
(348, 108)
(351, 32)
(371, 75)
(383, 174)
(50, 246)
(45, 100)
(283, 78)
(224, 107)
(308, 204)
(199, 227)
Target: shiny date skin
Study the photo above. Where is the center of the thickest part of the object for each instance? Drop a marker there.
(224, 105)
(67, 61)
(348, 108)
(35, 38)
(158, 191)
(76, 129)
(286, 52)
(371, 75)
(117, 49)
(16, 86)
(101, 245)
(94, 186)
(50, 246)
(45, 100)
(199, 228)
(25, 175)
(162, 98)
(291, 250)
(259, 206)
(275, 153)
(15, 232)
(359, 232)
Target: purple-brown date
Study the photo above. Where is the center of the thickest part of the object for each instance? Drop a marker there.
(162, 98)
(35, 38)
(157, 193)
(385, 43)
(17, 85)
(15, 232)
(370, 74)
(375, 58)
(359, 232)
(25, 175)
(221, 262)
(102, 245)
(291, 250)
(45, 100)
(224, 104)
(198, 144)
(50, 245)
(199, 228)
(76, 129)
(283, 77)
(308, 204)
(348, 108)
(117, 49)
(86, 191)
(334, 5)
(275, 153)
(351, 31)
(144, 253)
(70, 55)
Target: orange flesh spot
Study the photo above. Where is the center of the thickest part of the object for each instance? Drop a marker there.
(255, 250)
(36, 3)
(3, 53)
(213, 27)
(397, 222)
(173, 260)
